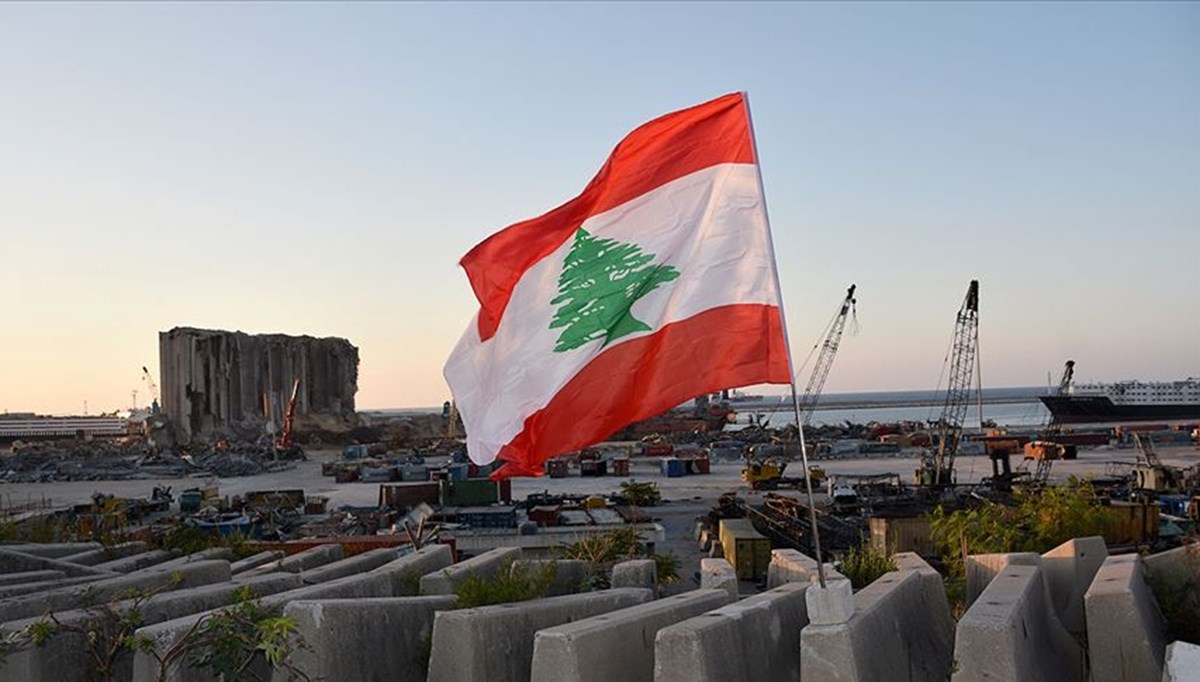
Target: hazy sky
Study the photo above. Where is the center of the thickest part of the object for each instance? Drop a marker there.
(319, 169)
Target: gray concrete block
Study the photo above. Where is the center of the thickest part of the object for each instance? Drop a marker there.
(360, 563)
(29, 588)
(76, 596)
(1174, 565)
(496, 642)
(901, 630)
(395, 631)
(751, 640)
(1011, 632)
(485, 566)
(636, 573)
(1068, 570)
(789, 566)
(719, 574)
(1182, 663)
(570, 575)
(121, 550)
(8, 579)
(311, 558)
(138, 561)
(1125, 629)
(617, 645)
(405, 573)
(18, 562)
(831, 604)
(52, 550)
(980, 569)
(62, 657)
(260, 559)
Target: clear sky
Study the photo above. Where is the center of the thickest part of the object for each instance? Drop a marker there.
(320, 168)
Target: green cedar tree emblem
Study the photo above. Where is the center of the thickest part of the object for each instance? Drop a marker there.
(600, 281)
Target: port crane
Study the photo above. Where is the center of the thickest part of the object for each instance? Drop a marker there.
(154, 408)
(829, 349)
(937, 466)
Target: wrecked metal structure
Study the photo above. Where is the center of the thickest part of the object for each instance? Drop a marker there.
(219, 382)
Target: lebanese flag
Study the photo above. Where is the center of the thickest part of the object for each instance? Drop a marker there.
(655, 285)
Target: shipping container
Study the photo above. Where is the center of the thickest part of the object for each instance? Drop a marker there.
(487, 517)
(745, 548)
(557, 468)
(469, 492)
(404, 495)
(901, 534)
(672, 467)
(593, 467)
(620, 466)
(545, 515)
(1131, 523)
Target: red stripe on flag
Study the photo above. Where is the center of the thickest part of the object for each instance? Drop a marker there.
(725, 347)
(654, 154)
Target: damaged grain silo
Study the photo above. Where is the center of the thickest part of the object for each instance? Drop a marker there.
(220, 383)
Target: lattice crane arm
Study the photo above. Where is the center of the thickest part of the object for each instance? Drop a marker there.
(829, 348)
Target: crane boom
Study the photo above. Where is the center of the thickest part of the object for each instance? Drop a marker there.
(154, 408)
(829, 349)
(958, 389)
(1064, 384)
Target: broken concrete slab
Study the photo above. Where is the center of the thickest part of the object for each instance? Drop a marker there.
(1125, 629)
(485, 566)
(1011, 632)
(636, 573)
(718, 574)
(356, 564)
(107, 553)
(496, 642)
(980, 569)
(617, 645)
(1182, 662)
(254, 561)
(1068, 570)
(755, 639)
(395, 630)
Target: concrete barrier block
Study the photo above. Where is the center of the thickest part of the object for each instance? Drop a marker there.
(1125, 629)
(1011, 632)
(719, 574)
(485, 566)
(831, 604)
(932, 643)
(406, 572)
(9, 579)
(311, 558)
(1182, 663)
(155, 577)
(789, 566)
(395, 631)
(569, 574)
(1174, 565)
(250, 562)
(617, 645)
(19, 562)
(636, 573)
(52, 550)
(9, 591)
(496, 642)
(755, 639)
(138, 561)
(1068, 570)
(980, 569)
(121, 550)
(360, 563)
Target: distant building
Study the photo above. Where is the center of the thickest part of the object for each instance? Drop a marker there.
(232, 383)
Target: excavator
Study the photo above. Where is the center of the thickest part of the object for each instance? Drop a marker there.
(937, 464)
(767, 474)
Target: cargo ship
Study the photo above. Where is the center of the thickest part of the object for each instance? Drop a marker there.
(1126, 401)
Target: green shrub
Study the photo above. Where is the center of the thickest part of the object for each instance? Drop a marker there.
(602, 550)
(1177, 589)
(512, 583)
(641, 494)
(862, 565)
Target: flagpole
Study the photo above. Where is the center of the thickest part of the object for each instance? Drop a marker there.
(787, 344)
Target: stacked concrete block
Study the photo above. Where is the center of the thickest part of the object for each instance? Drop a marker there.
(897, 628)
(485, 565)
(12, 561)
(982, 568)
(52, 550)
(308, 559)
(496, 642)
(138, 561)
(93, 557)
(1125, 628)
(617, 645)
(7, 579)
(355, 564)
(1068, 570)
(364, 639)
(1012, 633)
(636, 573)
(406, 572)
(718, 574)
(755, 639)
(254, 561)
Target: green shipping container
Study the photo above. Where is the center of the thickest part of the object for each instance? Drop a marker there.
(745, 548)
(470, 492)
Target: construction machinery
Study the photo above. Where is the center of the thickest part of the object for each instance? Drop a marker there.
(154, 408)
(289, 417)
(937, 464)
(829, 349)
(767, 474)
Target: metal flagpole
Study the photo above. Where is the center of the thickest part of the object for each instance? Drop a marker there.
(812, 509)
